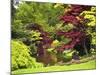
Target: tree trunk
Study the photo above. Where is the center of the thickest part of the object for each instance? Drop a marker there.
(85, 48)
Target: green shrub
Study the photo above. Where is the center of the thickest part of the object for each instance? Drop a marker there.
(67, 55)
(21, 57)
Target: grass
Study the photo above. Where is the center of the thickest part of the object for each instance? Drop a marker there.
(83, 66)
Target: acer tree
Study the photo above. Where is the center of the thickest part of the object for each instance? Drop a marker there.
(79, 17)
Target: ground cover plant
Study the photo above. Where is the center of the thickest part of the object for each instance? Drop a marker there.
(48, 36)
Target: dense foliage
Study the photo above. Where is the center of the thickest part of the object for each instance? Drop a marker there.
(21, 56)
(83, 19)
(51, 32)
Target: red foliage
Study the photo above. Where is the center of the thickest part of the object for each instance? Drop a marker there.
(77, 35)
(70, 19)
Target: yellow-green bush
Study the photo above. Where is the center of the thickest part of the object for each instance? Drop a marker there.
(91, 23)
(21, 57)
